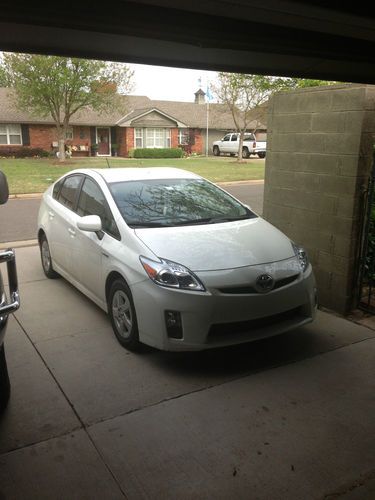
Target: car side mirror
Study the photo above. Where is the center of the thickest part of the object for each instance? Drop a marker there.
(4, 190)
(92, 223)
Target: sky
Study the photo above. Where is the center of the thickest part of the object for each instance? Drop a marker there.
(173, 84)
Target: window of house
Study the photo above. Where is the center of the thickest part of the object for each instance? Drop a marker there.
(183, 136)
(10, 134)
(69, 134)
(152, 138)
(139, 138)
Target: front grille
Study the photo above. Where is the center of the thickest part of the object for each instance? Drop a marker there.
(250, 289)
(221, 329)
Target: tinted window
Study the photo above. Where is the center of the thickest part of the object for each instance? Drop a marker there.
(234, 137)
(226, 138)
(173, 202)
(92, 202)
(249, 137)
(69, 190)
(56, 189)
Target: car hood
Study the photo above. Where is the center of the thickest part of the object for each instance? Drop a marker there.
(226, 245)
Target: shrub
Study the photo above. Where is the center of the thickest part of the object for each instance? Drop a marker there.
(22, 152)
(157, 153)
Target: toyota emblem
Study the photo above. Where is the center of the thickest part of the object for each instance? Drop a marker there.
(264, 283)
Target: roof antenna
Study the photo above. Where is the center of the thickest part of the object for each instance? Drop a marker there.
(109, 166)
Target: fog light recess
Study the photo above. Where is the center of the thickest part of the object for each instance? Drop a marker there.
(173, 324)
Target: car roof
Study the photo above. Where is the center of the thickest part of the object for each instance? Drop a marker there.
(134, 174)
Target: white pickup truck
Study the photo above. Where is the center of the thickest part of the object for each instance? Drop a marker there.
(229, 144)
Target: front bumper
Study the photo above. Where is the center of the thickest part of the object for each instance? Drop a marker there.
(215, 318)
(8, 257)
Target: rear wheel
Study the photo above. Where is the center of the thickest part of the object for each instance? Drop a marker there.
(4, 380)
(245, 153)
(46, 259)
(216, 151)
(121, 310)
(262, 154)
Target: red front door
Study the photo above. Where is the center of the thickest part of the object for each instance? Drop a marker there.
(103, 141)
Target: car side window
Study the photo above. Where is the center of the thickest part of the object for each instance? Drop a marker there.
(56, 189)
(69, 190)
(227, 138)
(234, 137)
(92, 202)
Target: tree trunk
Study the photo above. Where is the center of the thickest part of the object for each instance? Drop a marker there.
(61, 150)
(240, 147)
(61, 141)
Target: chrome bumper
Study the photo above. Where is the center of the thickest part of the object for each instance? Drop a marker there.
(9, 257)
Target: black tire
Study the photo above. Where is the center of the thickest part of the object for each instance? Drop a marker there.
(4, 381)
(245, 153)
(45, 256)
(262, 154)
(121, 310)
(216, 151)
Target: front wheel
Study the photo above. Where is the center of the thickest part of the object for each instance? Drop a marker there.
(262, 154)
(121, 310)
(45, 256)
(216, 151)
(4, 381)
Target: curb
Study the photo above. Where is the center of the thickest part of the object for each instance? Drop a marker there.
(18, 244)
(25, 196)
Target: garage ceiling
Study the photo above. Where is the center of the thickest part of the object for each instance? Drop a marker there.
(293, 38)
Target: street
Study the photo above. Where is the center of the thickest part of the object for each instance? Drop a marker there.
(18, 218)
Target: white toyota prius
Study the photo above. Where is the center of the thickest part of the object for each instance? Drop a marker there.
(178, 263)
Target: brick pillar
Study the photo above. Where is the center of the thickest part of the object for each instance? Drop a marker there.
(319, 148)
(174, 138)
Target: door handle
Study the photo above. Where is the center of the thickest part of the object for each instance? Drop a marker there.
(71, 231)
(51, 214)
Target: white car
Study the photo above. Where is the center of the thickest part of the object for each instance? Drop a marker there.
(178, 263)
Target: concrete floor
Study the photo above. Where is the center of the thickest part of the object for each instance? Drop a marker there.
(291, 417)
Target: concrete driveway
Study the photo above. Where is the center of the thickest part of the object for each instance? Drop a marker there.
(291, 417)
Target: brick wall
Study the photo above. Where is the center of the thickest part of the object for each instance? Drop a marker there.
(42, 136)
(198, 147)
(319, 148)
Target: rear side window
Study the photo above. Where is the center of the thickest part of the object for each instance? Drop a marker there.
(92, 202)
(234, 137)
(69, 190)
(56, 189)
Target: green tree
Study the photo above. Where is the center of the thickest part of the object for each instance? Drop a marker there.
(59, 87)
(245, 96)
(3, 78)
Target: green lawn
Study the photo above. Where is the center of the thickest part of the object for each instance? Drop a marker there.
(35, 175)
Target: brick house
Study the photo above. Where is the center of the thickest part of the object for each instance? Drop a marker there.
(142, 123)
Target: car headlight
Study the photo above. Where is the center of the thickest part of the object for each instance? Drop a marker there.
(301, 256)
(170, 274)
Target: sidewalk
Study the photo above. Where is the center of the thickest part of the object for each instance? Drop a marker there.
(286, 418)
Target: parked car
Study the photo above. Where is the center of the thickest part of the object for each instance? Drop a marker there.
(6, 307)
(230, 144)
(178, 263)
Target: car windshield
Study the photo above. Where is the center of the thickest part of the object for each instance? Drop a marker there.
(175, 202)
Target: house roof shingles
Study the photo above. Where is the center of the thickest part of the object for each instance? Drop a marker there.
(192, 114)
